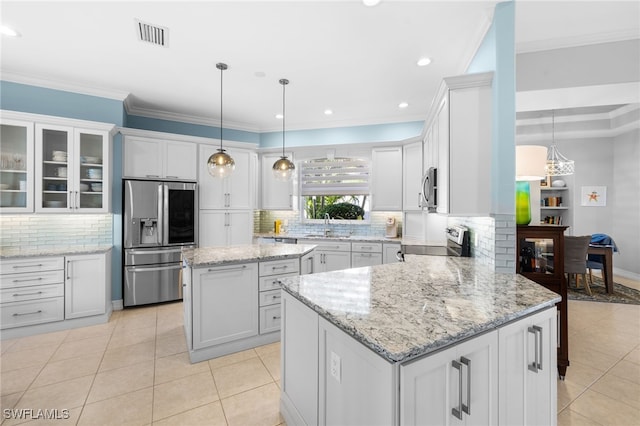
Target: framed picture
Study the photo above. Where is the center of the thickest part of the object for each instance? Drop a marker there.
(593, 196)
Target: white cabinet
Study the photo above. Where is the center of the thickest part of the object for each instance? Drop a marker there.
(225, 304)
(455, 386)
(307, 263)
(365, 254)
(528, 370)
(159, 159)
(412, 177)
(330, 255)
(225, 228)
(85, 284)
(386, 179)
(462, 126)
(16, 166)
(72, 169)
(234, 192)
(389, 252)
(270, 274)
(275, 194)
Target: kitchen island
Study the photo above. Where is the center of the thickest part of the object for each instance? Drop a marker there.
(231, 295)
(434, 340)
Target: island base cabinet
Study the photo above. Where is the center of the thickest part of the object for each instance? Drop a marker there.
(456, 386)
(299, 362)
(356, 386)
(528, 393)
(224, 302)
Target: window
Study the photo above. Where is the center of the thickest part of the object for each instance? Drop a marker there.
(338, 187)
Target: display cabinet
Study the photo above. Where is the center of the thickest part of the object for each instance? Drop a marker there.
(16, 166)
(540, 257)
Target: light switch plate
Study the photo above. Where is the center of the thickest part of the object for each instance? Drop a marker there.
(336, 366)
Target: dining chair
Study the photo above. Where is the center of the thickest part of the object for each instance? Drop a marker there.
(575, 259)
(596, 261)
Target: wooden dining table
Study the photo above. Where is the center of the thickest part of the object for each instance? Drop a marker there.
(607, 263)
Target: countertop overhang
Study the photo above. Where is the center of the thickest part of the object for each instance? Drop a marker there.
(218, 256)
(405, 310)
(8, 253)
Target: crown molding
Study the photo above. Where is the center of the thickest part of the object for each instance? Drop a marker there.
(51, 119)
(334, 124)
(48, 83)
(155, 135)
(576, 41)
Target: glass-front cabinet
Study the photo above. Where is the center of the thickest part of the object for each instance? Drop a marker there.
(16, 166)
(72, 173)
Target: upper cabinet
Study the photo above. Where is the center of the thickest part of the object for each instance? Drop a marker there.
(159, 159)
(412, 176)
(234, 192)
(458, 144)
(386, 179)
(275, 194)
(16, 166)
(72, 169)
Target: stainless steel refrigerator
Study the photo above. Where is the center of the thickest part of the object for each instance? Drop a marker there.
(159, 218)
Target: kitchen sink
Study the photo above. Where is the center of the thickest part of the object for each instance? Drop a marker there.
(325, 236)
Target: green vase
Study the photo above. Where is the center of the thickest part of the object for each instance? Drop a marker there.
(523, 203)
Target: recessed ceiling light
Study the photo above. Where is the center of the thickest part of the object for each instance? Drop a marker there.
(279, 116)
(259, 74)
(328, 112)
(370, 3)
(403, 105)
(422, 62)
(8, 31)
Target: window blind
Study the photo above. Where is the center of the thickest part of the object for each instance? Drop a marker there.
(339, 176)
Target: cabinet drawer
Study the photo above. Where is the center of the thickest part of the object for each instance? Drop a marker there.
(33, 312)
(269, 319)
(366, 247)
(31, 265)
(271, 297)
(30, 279)
(279, 267)
(272, 283)
(31, 293)
(333, 246)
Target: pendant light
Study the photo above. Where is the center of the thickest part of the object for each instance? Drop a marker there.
(557, 164)
(220, 164)
(283, 168)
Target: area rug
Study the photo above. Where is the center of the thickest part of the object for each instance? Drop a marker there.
(621, 294)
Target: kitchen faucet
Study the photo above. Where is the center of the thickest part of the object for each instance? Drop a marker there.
(327, 231)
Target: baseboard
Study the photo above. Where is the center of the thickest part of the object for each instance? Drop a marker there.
(117, 305)
(626, 274)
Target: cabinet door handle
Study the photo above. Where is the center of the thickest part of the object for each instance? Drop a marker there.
(68, 269)
(173, 177)
(153, 176)
(274, 297)
(276, 317)
(457, 411)
(537, 336)
(19, 314)
(69, 195)
(34, 293)
(467, 362)
(77, 205)
(419, 199)
(311, 265)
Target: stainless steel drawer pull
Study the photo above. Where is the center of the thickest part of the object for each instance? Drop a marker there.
(27, 294)
(27, 280)
(273, 268)
(275, 317)
(17, 314)
(277, 282)
(28, 266)
(275, 297)
(238, 268)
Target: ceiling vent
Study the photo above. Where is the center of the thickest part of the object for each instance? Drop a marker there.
(153, 34)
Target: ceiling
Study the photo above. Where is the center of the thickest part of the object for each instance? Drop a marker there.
(358, 61)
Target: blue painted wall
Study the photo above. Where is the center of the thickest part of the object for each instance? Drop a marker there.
(497, 53)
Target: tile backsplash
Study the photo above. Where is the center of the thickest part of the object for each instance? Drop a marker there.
(24, 231)
(263, 222)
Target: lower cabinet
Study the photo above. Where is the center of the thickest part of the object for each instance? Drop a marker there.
(527, 372)
(455, 386)
(224, 302)
(84, 285)
(389, 252)
(506, 376)
(330, 255)
(366, 254)
(270, 274)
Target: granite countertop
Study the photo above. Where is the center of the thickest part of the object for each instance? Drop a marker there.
(405, 310)
(7, 253)
(367, 238)
(214, 256)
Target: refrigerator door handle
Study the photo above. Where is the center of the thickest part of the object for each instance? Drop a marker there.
(152, 268)
(163, 251)
(162, 219)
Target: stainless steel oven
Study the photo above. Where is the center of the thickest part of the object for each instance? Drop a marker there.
(159, 219)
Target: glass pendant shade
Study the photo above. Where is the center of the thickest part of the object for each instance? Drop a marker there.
(283, 169)
(523, 202)
(220, 164)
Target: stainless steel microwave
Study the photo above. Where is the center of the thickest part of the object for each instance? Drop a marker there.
(430, 189)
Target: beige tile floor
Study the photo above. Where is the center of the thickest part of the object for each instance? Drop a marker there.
(134, 370)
